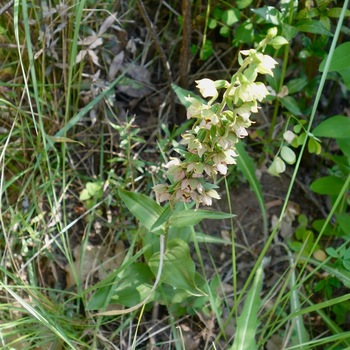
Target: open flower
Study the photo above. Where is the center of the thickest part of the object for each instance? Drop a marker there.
(207, 87)
(266, 64)
(162, 193)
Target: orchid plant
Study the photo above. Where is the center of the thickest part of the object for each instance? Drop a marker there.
(219, 124)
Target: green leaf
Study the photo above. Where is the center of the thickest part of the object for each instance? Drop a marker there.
(291, 104)
(288, 155)
(242, 4)
(231, 16)
(135, 284)
(270, 14)
(313, 146)
(178, 267)
(84, 195)
(182, 93)
(330, 185)
(288, 31)
(247, 322)
(279, 41)
(332, 252)
(340, 62)
(343, 220)
(94, 188)
(190, 217)
(312, 26)
(344, 145)
(340, 59)
(296, 85)
(145, 209)
(204, 238)
(335, 127)
(339, 272)
(167, 212)
(212, 23)
(336, 11)
(244, 33)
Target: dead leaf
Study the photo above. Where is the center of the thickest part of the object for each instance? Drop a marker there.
(80, 56)
(116, 65)
(94, 57)
(98, 261)
(107, 23)
(87, 41)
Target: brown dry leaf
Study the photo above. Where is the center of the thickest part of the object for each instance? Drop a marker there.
(80, 56)
(274, 343)
(289, 216)
(94, 57)
(89, 40)
(190, 338)
(116, 65)
(107, 23)
(96, 258)
(139, 84)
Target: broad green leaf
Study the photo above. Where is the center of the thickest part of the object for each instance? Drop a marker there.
(336, 11)
(288, 155)
(94, 188)
(190, 217)
(242, 4)
(244, 33)
(344, 145)
(340, 59)
(330, 185)
(247, 323)
(296, 85)
(312, 26)
(343, 220)
(332, 252)
(84, 195)
(313, 146)
(246, 166)
(288, 31)
(279, 41)
(178, 267)
(162, 218)
(212, 23)
(182, 93)
(291, 104)
(135, 285)
(145, 209)
(270, 14)
(335, 127)
(231, 16)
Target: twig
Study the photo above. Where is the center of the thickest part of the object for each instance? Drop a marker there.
(6, 7)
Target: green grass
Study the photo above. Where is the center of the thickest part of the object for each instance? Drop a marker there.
(51, 147)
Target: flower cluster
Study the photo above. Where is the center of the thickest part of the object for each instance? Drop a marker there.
(217, 127)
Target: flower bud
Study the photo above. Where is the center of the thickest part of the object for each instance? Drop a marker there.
(272, 32)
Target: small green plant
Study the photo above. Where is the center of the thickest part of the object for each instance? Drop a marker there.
(342, 256)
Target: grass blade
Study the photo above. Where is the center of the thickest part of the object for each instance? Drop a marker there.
(247, 323)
